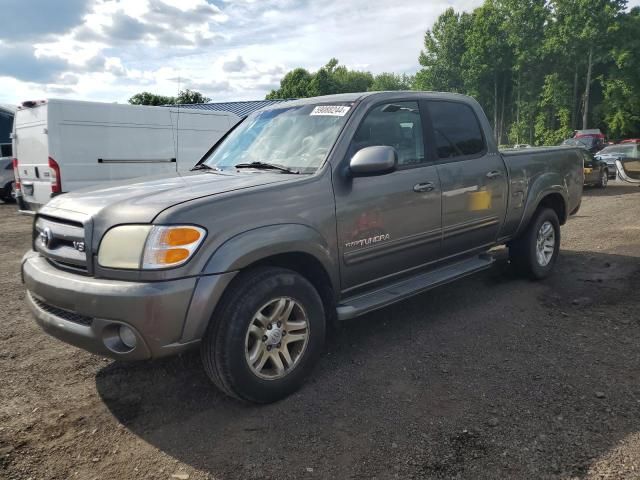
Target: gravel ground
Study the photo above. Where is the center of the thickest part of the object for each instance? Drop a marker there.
(490, 377)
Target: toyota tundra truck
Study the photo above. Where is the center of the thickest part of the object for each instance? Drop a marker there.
(305, 214)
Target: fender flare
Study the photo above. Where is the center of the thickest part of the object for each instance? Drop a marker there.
(251, 246)
(545, 185)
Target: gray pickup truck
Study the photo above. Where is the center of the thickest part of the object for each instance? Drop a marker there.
(307, 213)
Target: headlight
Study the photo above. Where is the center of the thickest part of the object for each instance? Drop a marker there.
(149, 247)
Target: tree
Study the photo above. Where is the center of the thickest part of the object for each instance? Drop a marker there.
(621, 85)
(187, 96)
(295, 84)
(441, 57)
(184, 97)
(391, 81)
(332, 78)
(487, 62)
(553, 121)
(583, 29)
(147, 98)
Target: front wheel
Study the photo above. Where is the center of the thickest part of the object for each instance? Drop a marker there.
(266, 335)
(535, 252)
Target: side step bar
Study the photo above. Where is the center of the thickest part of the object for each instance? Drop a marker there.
(364, 303)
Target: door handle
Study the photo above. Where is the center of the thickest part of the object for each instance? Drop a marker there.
(494, 174)
(423, 187)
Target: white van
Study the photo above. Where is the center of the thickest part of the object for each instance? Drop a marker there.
(63, 145)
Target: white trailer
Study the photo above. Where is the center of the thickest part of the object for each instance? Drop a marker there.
(64, 145)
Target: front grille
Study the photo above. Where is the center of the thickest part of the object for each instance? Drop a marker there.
(62, 242)
(62, 313)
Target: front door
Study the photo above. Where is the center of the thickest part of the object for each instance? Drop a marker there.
(389, 224)
(473, 181)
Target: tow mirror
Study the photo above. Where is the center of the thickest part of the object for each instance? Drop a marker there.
(629, 169)
(376, 160)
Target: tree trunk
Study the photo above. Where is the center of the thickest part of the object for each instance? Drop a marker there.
(504, 100)
(495, 106)
(587, 91)
(518, 108)
(574, 99)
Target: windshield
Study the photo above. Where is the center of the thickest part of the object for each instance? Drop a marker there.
(298, 138)
(579, 142)
(626, 150)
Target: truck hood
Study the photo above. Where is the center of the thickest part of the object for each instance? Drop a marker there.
(141, 200)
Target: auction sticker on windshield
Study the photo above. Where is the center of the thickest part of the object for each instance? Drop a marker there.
(331, 110)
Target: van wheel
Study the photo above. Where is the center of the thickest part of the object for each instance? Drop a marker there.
(265, 336)
(535, 252)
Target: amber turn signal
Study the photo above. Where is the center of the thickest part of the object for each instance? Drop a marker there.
(179, 236)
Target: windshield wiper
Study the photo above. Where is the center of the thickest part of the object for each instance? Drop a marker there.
(266, 166)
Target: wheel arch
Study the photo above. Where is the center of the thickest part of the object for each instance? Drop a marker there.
(554, 197)
(294, 246)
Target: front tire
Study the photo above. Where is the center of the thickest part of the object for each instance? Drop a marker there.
(535, 252)
(266, 335)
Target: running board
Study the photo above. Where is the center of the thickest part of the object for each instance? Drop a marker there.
(357, 305)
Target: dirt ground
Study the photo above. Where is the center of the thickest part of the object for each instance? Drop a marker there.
(490, 377)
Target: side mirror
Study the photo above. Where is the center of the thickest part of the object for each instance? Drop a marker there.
(376, 160)
(629, 169)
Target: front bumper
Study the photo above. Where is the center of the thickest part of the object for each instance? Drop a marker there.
(166, 317)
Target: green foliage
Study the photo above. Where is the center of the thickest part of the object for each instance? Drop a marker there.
(184, 97)
(334, 78)
(621, 85)
(295, 84)
(540, 68)
(147, 98)
(441, 58)
(391, 81)
(554, 116)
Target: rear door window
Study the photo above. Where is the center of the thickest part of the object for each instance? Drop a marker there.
(457, 131)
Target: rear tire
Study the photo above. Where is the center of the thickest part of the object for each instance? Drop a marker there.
(266, 335)
(535, 252)
(8, 195)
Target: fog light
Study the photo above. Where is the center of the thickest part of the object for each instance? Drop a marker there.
(127, 336)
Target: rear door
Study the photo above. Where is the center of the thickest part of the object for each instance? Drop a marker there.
(389, 224)
(32, 151)
(473, 180)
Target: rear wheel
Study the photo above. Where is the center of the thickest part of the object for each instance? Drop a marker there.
(9, 193)
(535, 252)
(266, 335)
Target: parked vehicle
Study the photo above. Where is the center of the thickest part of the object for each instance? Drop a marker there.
(591, 144)
(324, 208)
(596, 171)
(65, 145)
(7, 181)
(596, 139)
(613, 153)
